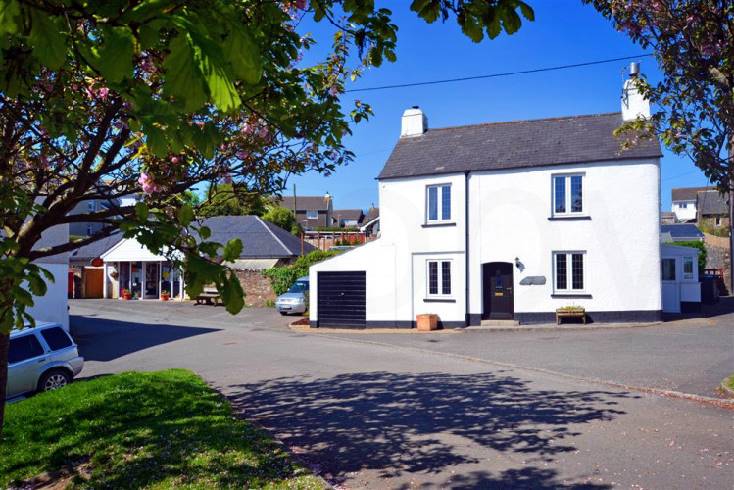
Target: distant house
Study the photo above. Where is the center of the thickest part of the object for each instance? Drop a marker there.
(310, 211)
(85, 228)
(668, 217)
(712, 210)
(684, 201)
(348, 218)
(129, 265)
(371, 222)
(680, 232)
(85, 265)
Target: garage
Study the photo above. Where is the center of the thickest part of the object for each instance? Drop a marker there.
(342, 299)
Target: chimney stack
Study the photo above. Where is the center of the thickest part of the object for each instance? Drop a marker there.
(414, 122)
(634, 105)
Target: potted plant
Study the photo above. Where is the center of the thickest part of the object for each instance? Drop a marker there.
(165, 295)
(127, 295)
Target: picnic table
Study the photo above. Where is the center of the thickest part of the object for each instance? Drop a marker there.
(209, 296)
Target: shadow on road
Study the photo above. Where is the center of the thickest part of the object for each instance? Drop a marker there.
(101, 339)
(424, 423)
(725, 306)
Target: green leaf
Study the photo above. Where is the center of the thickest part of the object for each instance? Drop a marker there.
(36, 285)
(218, 78)
(185, 214)
(9, 17)
(243, 55)
(232, 295)
(114, 58)
(527, 11)
(156, 141)
(141, 211)
(183, 79)
(205, 232)
(48, 40)
(232, 250)
(472, 29)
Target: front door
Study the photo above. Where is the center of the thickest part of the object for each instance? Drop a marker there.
(498, 290)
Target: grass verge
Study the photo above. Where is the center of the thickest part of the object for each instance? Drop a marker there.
(163, 429)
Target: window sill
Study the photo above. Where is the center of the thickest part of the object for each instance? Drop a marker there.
(570, 217)
(571, 295)
(439, 300)
(438, 223)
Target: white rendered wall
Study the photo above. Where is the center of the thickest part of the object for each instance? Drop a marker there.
(509, 218)
(53, 306)
(395, 263)
(684, 214)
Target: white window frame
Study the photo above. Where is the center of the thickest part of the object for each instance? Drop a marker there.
(717, 221)
(439, 266)
(312, 214)
(439, 204)
(688, 275)
(682, 205)
(567, 198)
(569, 272)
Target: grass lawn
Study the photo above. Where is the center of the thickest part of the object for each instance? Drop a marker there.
(156, 430)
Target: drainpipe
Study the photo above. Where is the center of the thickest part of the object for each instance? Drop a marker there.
(467, 315)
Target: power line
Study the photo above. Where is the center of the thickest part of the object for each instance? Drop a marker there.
(497, 75)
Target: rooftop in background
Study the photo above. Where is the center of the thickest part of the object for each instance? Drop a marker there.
(309, 203)
(688, 193)
(711, 202)
(260, 239)
(372, 213)
(96, 249)
(682, 230)
(510, 145)
(348, 214)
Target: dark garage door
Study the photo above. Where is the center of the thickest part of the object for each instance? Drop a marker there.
(342, 299)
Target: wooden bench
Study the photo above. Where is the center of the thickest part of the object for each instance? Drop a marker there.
(209, 296)
(560, 314)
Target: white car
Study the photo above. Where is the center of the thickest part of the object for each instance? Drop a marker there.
(41, 358)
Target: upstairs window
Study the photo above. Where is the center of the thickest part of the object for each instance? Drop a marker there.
(568, 195)
(568, 272)
(683, 205)
(438, 203)
(312, 215)
(439, 278)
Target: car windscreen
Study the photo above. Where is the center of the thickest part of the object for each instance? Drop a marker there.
(24, 348)
(299, 287)
(56, 338)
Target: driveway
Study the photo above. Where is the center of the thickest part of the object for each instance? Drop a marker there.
(387, 415)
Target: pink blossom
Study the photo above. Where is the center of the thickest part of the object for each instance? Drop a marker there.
(227, 178)
(333, 90)
(103, 93)
(242, 154)
(263, 132)
(147, 183)
(89, 92)
(301, 4)
(147, 66)
(174, 160)
(247, 129)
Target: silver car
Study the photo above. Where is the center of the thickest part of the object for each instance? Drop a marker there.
(295, 300)
(41, 358)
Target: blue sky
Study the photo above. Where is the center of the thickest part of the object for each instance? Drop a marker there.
(564, 32)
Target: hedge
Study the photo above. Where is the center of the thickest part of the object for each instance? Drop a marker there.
(282, 278)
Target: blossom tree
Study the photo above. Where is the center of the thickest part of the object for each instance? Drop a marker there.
(105, 99)
(693, 42)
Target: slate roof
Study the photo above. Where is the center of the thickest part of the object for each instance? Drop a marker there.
(348, 214)
(372, 213)
(688, 193)
(711, 202)
(308, 203)
(681, 230)
(510, 145)
(96, 249)
(260, 239)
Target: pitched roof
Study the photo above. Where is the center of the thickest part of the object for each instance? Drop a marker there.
(348, 214)
(681, 230)
(260, 239)
(372, 213)
(711, 202)
(310, 203)
(517, 144)
(96, 249)
(688, 193)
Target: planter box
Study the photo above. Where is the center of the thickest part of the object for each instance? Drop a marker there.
(426, 323)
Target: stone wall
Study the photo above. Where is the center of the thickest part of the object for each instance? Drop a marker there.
(257, 288)
(717, 256)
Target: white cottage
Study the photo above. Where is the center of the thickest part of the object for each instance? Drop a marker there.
(506, 221)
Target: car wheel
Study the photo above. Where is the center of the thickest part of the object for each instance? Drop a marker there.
(53, 380)
(283, 313)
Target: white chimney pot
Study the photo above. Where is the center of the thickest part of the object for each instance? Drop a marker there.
(414, 122)
(634, 105)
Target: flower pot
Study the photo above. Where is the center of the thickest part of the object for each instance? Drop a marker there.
(127, 297)
(426, 322)
(165, 297)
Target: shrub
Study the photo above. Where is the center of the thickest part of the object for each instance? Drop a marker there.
(282, 278)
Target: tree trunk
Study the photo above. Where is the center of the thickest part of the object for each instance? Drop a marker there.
(731, 216)
(4, 344)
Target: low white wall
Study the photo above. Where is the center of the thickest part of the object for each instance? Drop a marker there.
(53, 306)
